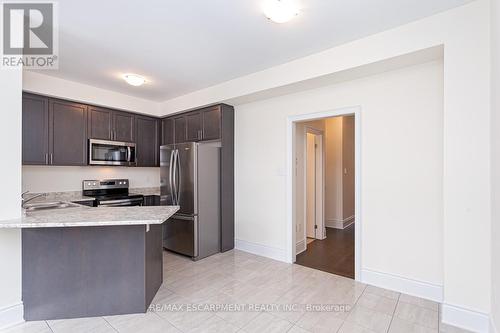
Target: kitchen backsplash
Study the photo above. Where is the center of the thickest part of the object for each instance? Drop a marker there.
(59, 179)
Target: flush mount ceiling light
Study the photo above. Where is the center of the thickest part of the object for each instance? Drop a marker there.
(280, 11)
(134, 79)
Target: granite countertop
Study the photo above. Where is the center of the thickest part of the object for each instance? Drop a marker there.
(70, 196)
(83, 216)
(145, 190)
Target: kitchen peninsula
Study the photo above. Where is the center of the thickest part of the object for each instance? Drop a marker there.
(81, 261)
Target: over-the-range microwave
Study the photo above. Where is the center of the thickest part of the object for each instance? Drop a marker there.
(104, 152)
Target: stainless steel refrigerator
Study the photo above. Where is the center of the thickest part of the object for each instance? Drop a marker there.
(190, 178)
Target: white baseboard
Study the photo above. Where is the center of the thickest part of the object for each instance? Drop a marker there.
(464, 318)
(300, 247)
(11, 315)
(404, 285)
(339, 224)
(493, 326)
(261, 250)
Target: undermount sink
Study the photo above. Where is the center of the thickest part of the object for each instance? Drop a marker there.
(49, 205)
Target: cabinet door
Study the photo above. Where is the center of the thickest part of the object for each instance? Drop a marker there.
(193, 126)
(35, 129)
(147, 149)
(211, 123)
(123, 126)
(151, 200)
(167, 131)
(180, 129)
(67, 133)
(100, 123)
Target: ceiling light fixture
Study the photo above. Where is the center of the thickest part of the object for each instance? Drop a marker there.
(280, 11)
(134, 79)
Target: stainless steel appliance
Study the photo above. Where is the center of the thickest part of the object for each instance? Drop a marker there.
(111, 193)
(103, 152)
(190, 178)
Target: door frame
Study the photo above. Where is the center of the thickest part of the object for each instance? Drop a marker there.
(320, 232)
(291, 183)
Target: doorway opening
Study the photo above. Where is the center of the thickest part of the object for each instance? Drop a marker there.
(324, 197)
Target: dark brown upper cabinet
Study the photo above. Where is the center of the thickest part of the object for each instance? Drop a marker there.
(147, 144)
(167, 131)
(180, 129)
(67, 133)
(35, 130)
(123, 126)
(100, 123)
(211, 118)
(193, 127)
(105, 124)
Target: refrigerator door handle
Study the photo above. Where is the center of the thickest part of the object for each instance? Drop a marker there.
(174, 177)
(170, 176)
(178, 160)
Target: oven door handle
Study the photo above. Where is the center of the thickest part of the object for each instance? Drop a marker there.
(126, 202)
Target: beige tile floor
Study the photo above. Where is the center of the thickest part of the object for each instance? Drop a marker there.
(235, 278)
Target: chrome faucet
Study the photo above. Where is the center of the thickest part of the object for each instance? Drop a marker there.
(25, 201)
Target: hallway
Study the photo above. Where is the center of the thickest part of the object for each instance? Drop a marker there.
(335, 254)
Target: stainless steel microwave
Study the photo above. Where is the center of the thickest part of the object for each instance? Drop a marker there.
(103, 152)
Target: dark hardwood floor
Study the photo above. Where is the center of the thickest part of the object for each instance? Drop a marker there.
(335, 254)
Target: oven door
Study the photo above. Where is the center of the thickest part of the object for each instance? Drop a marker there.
(121, 202)
(102, 152)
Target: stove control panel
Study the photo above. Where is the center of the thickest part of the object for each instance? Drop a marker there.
(104, 184)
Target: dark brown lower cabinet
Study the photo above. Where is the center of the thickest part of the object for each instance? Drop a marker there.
(151, 200)
(147, 141)
(90, 271)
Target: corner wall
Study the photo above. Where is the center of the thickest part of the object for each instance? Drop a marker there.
(401, 168)
(464, 32)
(495, 169)
(11, 309)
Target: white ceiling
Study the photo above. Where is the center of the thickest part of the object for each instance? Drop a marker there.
(181, 46)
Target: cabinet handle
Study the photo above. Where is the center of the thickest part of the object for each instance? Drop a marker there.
(46, 158)
(200, 134)
(51, 158)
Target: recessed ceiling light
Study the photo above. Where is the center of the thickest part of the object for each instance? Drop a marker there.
(134, 79)
(280, 11)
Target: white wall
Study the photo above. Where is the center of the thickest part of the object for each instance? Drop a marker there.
(465, 34)
(495, 139)
(402, 162)
(59, 178)
(333, 172)
(79, 92)
(10, 240)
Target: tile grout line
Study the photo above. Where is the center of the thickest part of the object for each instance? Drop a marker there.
(50, 328)
(354, 305)
(114, 328)
(393, 313)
